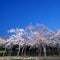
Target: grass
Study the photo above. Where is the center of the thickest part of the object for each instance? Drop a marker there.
(30, 58)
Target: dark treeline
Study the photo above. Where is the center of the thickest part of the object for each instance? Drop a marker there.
(27, 51)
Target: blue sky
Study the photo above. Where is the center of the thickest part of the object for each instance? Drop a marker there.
(20, 13)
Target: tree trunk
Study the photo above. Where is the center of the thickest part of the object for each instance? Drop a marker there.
(59, 51)
(25, 52)
(10, 52)
(39, 51)
(22, 51)
(4, 51)
(18, 51)
(44, 49)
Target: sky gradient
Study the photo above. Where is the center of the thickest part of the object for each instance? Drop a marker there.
(20, 13)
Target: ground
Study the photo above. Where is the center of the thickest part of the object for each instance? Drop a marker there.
(29, 58)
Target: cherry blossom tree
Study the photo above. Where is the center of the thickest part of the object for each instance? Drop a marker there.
(33, 36)
(42, 34)
(56, 40)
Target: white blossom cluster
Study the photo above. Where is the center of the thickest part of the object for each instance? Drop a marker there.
(33, 36)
